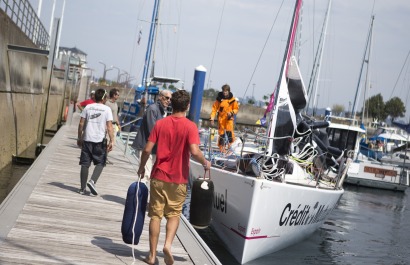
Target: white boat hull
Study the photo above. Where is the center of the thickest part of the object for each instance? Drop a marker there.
(255, 217)
(376, 175)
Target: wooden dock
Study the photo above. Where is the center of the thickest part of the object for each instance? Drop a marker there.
(44, 220)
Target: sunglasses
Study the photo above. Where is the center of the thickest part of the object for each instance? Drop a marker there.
(168, 98)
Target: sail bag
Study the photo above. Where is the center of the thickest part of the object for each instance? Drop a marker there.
(134, 212)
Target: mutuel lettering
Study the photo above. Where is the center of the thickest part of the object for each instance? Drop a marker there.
(221, 201)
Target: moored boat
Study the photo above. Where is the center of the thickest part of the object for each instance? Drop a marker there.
(365, 171)
(272, 197)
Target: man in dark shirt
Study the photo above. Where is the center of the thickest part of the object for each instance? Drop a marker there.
(153, 113)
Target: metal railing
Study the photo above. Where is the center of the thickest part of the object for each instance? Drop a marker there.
(24, 16)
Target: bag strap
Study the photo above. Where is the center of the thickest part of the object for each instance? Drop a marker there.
(209, 174)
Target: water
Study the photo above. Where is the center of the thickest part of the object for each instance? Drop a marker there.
(12, 173)
(9, 177)
(369, 226)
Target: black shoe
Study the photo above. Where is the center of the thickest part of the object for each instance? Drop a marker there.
(91, 186)
(81, 191)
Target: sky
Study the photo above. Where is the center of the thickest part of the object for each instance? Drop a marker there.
(241, 43)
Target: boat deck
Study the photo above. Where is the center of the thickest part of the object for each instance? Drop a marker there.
(45, 221)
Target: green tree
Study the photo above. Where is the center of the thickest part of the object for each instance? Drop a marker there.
(375, 107)
(210, 93)
(395, 108)
(337, 109)
(266, 99)
(251, 101)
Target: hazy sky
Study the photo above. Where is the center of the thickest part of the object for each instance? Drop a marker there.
(188, 37)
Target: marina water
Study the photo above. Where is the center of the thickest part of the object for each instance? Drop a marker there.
(369, 226)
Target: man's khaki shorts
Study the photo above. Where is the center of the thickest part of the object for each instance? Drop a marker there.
(166, 199)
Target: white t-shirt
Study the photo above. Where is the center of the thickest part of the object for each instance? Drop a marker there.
(96, 116)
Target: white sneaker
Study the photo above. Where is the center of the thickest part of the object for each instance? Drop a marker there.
(91, 186)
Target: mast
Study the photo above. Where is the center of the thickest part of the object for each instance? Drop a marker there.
(154, 42)
(283, 109)
(361, 69)
(148, 53)
(314, 82)
(367, 80)
(289, 47)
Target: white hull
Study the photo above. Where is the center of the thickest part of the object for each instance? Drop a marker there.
(255, 217)
(377, 175)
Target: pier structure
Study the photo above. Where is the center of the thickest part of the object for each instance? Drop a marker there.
(44, 220)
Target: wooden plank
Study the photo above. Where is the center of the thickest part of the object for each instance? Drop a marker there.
(57, 225)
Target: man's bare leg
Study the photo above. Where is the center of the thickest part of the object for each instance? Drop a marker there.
(154, 229)
(171, 230)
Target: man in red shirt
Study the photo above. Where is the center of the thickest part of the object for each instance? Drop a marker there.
(176, 138)
(81, 105)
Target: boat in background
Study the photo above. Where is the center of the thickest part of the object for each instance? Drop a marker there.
(400, 158)
(345, 133)
(148, 91)
(364, 171)
(383, 142)
(400, 155)
(278, 195)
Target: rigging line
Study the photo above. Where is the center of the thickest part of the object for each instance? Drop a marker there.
(263, 48)
(134, 44)
(313, 31)
(135, 37)
(397, 80)
(178, 35)
(216, 43)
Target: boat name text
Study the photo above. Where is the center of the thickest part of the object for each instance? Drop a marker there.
(304, 215)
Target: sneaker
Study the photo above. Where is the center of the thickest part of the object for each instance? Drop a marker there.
(81, 191)
(91, 186)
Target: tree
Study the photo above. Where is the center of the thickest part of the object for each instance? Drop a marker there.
(338, 109)
(266, 99)
(375, 107)
(395, 108)
(251, 101)
(210, 93)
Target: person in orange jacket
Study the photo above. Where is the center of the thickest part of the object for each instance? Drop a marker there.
(225, 106)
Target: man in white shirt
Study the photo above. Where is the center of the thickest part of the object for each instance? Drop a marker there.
(96, 120)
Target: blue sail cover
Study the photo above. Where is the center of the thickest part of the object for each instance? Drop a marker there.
(402, 126)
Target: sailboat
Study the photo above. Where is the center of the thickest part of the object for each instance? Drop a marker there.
(148, 91)
(280, 196)
(365, 171)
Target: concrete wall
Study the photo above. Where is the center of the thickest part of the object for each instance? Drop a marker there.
(22, 95)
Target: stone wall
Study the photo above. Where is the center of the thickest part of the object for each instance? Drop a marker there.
(22, 95)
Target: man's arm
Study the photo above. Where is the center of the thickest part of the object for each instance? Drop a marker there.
(118, 123)
(80, 105)
(144, 158)
(151, 119)
(110, 130)
(80, 132)
(214, 111)
(117, 118)
(199, 156)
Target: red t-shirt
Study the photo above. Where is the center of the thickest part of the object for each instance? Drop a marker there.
(86, 102)
(173, 135)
